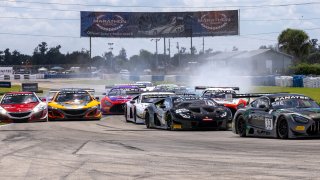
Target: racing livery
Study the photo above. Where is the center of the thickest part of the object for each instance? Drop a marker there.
(224, 95)
(281, 115)
(176, 112)
(78, 104)
(136, 108)
(22, 107)
(114, 101)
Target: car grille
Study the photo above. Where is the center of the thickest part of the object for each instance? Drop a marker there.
(20, 114)
(314, 128)
(211, 124)
(74, 111)
(118, 108)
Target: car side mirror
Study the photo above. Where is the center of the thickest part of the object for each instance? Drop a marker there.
(97, 98)
(162, 106)
(104, 94)
(132, 102)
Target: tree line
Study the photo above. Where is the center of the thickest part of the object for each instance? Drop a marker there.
(295, 42)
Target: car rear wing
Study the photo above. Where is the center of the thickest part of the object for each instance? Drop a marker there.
(138, 85)
(206, 87)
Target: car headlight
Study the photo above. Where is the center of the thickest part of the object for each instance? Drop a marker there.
(2, 111)
(108, 103)
(224, 114)
(183, 110)
(40, 107)
(300, 119)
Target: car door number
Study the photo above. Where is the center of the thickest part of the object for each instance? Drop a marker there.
(268, 123)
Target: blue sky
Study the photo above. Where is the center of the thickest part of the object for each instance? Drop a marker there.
(253, 20)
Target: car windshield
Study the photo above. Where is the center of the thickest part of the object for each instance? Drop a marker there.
(152, 98)
(73, 97)
(123, 91)
(19, 99)
(295, 103)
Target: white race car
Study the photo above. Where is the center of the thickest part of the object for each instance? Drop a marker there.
(134, 110)
(148, 85)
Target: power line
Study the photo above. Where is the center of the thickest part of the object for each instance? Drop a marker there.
(34, 18)
(77, 19)
(154, 7)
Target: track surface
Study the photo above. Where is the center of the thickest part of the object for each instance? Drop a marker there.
(114, 149)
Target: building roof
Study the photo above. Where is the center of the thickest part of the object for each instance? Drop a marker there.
(242, 54)
(225, 55)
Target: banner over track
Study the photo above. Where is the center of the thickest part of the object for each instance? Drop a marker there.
(159, 24)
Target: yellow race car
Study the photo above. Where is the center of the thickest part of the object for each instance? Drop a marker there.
(74, 104)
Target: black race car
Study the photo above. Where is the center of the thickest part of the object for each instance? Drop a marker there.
(178, 112)
(280, 115)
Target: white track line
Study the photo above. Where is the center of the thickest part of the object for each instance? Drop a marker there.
(5, 125)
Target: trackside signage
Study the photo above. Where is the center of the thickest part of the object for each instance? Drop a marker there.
(159, 24)
(30, 87)
(6, 70)
(5, 84)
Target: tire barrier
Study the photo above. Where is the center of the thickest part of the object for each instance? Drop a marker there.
(158, 78)
(6, 77)
(64, 76)
(298, 81)
(311, 82)
(284, 81)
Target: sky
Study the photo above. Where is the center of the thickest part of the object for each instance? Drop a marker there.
(26, 23)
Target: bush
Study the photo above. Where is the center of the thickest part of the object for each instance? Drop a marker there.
(306, 69)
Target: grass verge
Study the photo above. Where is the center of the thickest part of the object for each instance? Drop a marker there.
(314, 93)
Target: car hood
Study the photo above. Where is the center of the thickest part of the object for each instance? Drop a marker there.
(311, 112)
(120, 98)
(19, 107)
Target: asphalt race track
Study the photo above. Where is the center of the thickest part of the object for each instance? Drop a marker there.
(114, 149)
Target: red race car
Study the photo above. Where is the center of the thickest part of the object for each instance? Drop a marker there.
(22, 107)
(115, 100)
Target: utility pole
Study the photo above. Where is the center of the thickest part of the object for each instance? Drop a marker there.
(90, 46)
(203, 45)
(111, 59)
(191, 49)
(169, 49)
(178, 47)
(156, 40)
(164, 46)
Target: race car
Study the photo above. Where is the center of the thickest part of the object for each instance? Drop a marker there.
(176, 112)
(22, 107)
(135, 109)
(74, 104)
(224, 95)
(148, 85)
(281, 115)
(114, 101)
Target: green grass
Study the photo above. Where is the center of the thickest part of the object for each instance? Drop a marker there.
(314, 93)
(2, 123)
(13, 88)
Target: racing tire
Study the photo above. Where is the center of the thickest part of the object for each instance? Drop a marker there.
(241, 126)
(135, 116)
(282, 128)
(169, 122)
(147, 120)
(126, 114)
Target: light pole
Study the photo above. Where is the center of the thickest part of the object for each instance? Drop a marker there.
(156, 40)
(110, 50)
